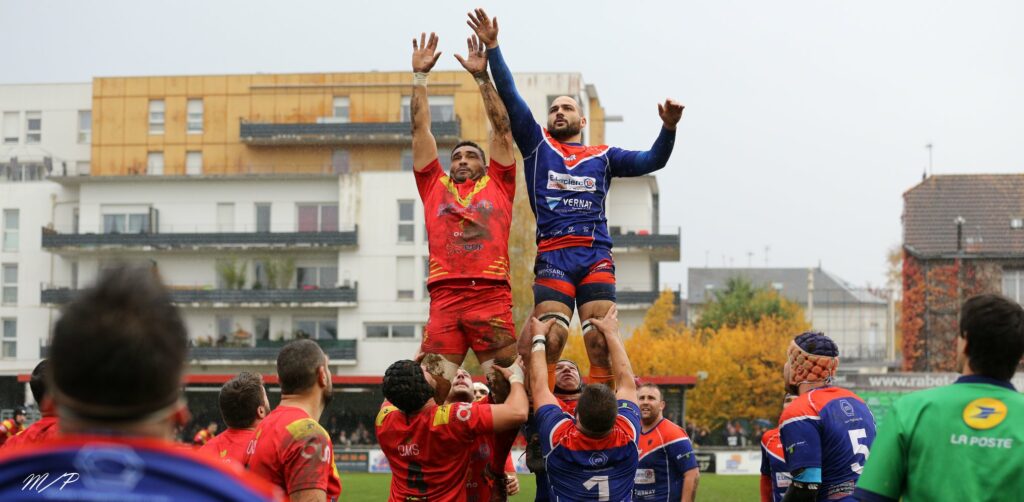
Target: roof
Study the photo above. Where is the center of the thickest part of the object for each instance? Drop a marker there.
(988, 203)
(790, 282)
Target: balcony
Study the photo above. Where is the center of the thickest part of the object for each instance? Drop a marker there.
(85, 242)
(640, 300)
(662, 244)
(350, 133)
(339, 351)
(251, 298)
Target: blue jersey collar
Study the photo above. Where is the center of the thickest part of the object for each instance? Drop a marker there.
(984, 379)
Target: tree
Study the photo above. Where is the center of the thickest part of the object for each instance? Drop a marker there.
(741, 303)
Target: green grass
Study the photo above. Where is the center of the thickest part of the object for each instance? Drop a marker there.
(712, 488)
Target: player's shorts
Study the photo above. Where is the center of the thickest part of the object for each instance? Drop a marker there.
(574, 276)
(469, 314)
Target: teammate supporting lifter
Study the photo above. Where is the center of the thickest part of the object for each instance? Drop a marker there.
(568, 183)
(468, 215)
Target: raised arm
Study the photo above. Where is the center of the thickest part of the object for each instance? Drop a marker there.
(475, 63)
(513, 412)
(424, 148)
(625, 385)
(627, 163)
(525, 130)
(537, 332)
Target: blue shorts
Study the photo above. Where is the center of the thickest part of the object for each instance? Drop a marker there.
(574, 276)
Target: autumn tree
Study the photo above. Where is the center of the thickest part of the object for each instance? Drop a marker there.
(742, 303)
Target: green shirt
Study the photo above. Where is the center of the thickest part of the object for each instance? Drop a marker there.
(959, 442)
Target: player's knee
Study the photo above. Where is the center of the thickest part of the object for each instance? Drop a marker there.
(440, 367)
(595, 342)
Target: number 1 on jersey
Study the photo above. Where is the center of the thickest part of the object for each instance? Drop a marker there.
(601, 482)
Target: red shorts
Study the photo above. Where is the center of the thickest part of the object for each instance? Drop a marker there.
(469, 314)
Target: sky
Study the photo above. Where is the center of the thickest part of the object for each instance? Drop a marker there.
(805, 120)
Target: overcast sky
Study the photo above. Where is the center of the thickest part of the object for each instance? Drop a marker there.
(805, 120)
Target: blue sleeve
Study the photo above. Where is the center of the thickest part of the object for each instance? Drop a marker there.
(525, 130)
(631, 411)
(627, 163)
(801, 442)
(766, 466)
(682, 455)
(548, 417)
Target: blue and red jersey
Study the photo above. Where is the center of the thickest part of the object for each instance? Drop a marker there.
(112, 469)
(773, 464)
(568, 182)
(543, 494)
(585, 468)
(828, 430)
(665, 455)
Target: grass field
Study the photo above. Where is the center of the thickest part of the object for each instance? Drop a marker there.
(712, 488)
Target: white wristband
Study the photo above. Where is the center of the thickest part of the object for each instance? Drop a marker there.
(419, 78)
(539, 347)
(517, 375)
(540, 338)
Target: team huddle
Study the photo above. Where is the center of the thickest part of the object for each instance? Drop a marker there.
(112, 385)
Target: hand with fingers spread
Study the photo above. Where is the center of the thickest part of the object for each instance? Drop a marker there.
(424, 55)
(485, 27)
(609, 324)
(476, 61)
(670, 112)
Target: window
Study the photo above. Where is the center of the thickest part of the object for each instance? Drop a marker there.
(11, 226)
(263, 217)
(406, 227)
(9, 280)
(442, 108)
(1017, 223)
(155, 163)
(261, 280)
(261, 328)
(83, 167)
(339, 161)
(316, 277)
(33, 127)
(85, 126)
(390, 331)
(12, 133)
(195, 116)
(193, 163)
(156, 116)
(341, 110)
(121, 223)
(318, 217)
(318, 329)
(10, 339)
(225, 327)
(405, 277)
(1013, 285)
(426, 276)
(407, 160)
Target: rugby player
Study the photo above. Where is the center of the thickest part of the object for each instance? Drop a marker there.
(46, 427)
(668, 468)
(963, 441)
(429, 446)
(567, 183)
(592, 455)
(205, 434)
(775, 478)
(243, 405)
(468, 214)
(826, 431)
(568, 386)
(115, 374)
(290, 448)
(12, 426)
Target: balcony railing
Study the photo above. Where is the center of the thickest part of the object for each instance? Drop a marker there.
(640, 299)
(335, 297)
(352, 133)
(196, 240)
(339, 351)
(662, 242)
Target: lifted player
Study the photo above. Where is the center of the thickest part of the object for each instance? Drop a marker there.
(668, 469)
(826, 431)
(429, 446)
(468, 214)
(568, 183)
(593, 455)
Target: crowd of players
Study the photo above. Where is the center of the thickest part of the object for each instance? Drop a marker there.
(111, 393)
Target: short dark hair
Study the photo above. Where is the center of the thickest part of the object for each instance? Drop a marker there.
(406, 387)
(119, 349)
(654, 386)
(240, 398)
(466, 142)
(597, 409)
(993, 326)
(37, 382)
(296, 365)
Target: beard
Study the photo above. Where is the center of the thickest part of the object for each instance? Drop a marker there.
(565, 132)
(461, 396)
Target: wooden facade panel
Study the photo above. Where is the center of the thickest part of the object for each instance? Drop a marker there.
(174, 119)
(135, 119)
(215, 119)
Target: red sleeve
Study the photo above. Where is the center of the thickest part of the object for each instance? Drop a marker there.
(426, 177)
(505, 176)
(307, 454)
(509, 465)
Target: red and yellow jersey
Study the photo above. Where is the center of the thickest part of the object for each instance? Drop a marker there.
(293, 451)
(201, 437)
(468, 223)
(430, 451)
(44, 429)
(480, 484)
(9, 428)
(230, 445)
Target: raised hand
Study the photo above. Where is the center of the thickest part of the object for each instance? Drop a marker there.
(476, 61)
(424, 56)
(670, 112)
(609, 324)
(484, 27)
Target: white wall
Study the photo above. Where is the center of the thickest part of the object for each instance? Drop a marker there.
(59, 105)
